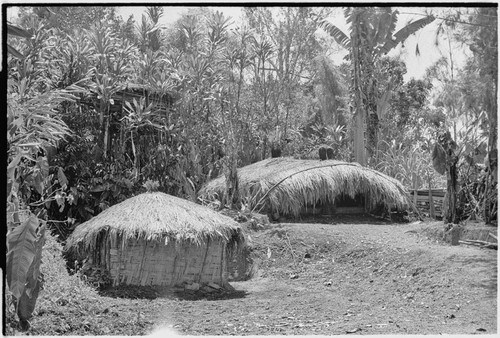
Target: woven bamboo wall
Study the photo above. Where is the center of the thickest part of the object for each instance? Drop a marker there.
(240, 264)
(141, 262)
(429, 202)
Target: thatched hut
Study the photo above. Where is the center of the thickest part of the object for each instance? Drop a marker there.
(158, 239)
(292, 187)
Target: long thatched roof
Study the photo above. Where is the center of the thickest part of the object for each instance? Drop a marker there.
(156, 216)
(288, 185)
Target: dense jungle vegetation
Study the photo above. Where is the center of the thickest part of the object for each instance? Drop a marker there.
(100, 109)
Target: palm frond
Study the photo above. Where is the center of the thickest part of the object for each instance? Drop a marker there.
(14, 52)
(405, 32)
(340, 37)
(17, 31)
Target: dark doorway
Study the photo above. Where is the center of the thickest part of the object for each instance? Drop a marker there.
(347, 205)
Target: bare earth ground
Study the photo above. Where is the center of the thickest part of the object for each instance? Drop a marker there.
(363, 278)
(385, 279)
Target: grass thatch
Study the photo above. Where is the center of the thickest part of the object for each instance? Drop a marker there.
(157, 216)
(287, 185)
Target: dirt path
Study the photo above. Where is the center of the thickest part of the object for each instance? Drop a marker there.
(351, 278)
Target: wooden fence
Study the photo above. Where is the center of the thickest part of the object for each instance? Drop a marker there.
(429, 202)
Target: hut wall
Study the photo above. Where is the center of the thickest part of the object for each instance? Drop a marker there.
(142, 262)
(240, 264)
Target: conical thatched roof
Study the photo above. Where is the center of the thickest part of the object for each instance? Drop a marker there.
(287, 185)
(156, 216)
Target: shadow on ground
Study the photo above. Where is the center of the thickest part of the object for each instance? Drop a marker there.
(134, 292)
(338, 219)
(153, 292)
(225, 295)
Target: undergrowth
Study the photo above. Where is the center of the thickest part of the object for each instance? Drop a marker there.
(61, 293)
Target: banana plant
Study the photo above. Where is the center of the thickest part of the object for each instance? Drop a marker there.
(372, 35)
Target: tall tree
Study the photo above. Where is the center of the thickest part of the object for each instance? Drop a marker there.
(483, 38)
(330, 90)
(211, 62)
(285, 45)
(467, 96)
(473, 93)
(371, 36)
(404, 117)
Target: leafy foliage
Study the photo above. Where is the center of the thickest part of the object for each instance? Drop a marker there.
(21, 254)
(32, 128)
(74, 18)
(467, 99)
(283, 76)
(412, 165)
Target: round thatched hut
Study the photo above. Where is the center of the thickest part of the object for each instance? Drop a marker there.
(158, 239)
(293, 187)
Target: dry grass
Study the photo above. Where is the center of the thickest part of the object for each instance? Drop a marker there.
(156, 216)
(287, 185)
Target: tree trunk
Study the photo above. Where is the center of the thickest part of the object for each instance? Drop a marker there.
(451, 193)
(372, 125)
(137, 161)
(448, 145)
(264, 148)
(492, 161)
(369, 85)
(229, 164)
(359, 138)
(232, 196)
(359, 144)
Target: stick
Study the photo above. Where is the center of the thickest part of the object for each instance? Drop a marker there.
(290, 245)
(477, 241)
(481, 244)
(469, 243)
(495, 237)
